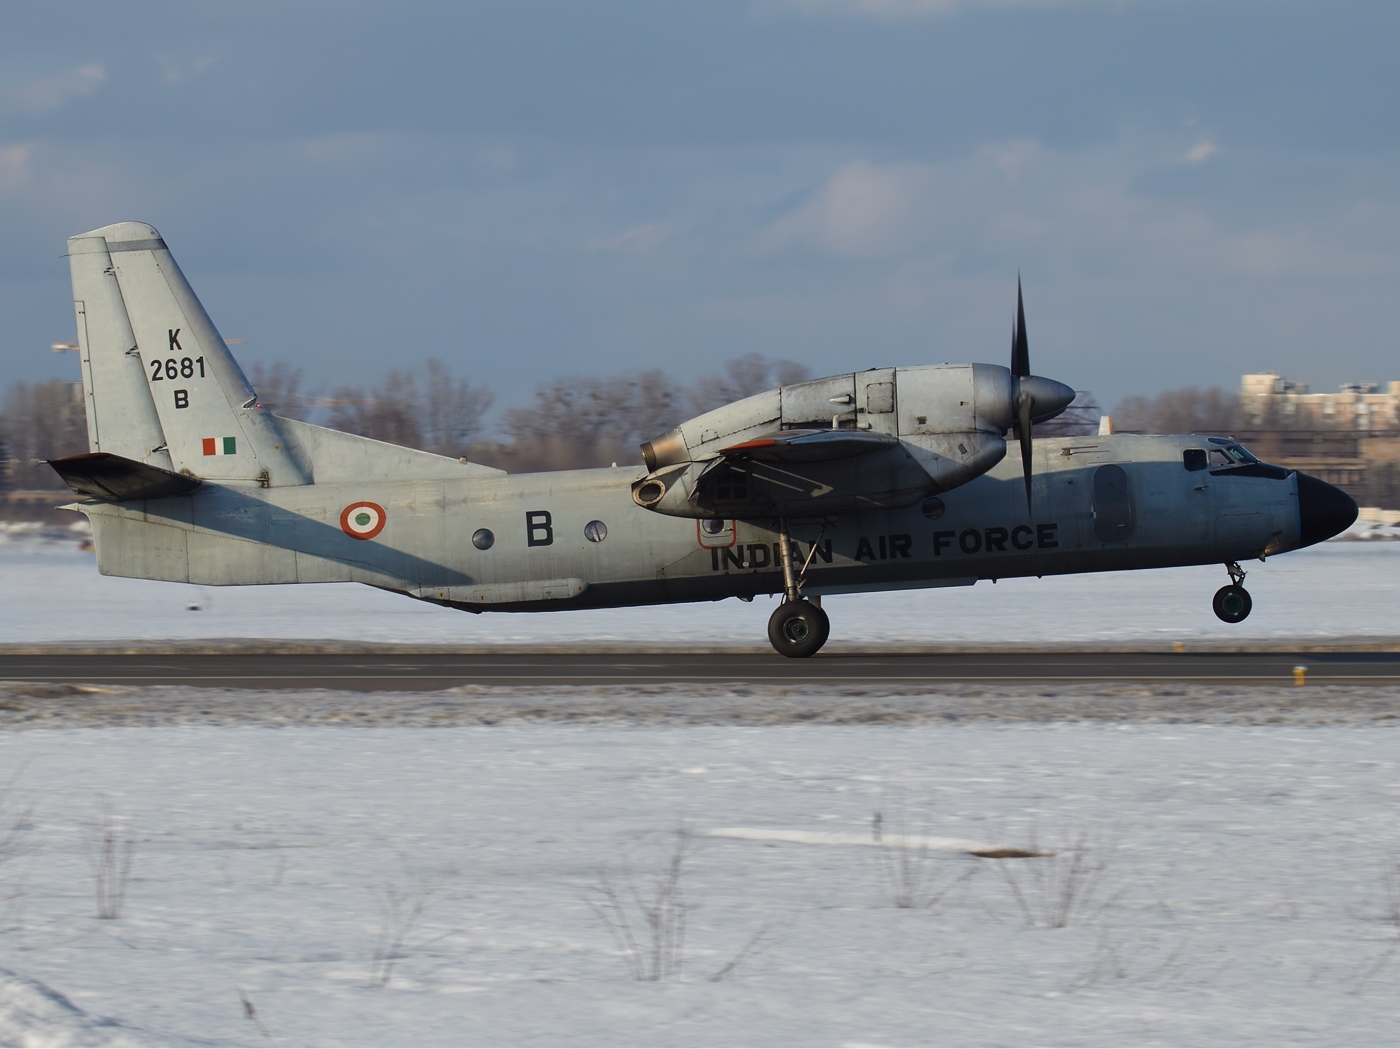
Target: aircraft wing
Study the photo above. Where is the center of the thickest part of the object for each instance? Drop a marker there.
(809, 446)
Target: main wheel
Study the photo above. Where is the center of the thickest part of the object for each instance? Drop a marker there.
(1232, 603)
(798, 629)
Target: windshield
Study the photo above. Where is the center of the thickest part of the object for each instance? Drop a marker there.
(1229, 453)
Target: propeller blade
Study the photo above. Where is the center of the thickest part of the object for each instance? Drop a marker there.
(1023, 427)
(1021, 369)
(1020, 349)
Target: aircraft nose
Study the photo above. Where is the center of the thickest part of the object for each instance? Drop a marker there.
(1323, 510)
(1048, 397)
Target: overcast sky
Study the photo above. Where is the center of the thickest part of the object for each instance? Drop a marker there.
(526, 190)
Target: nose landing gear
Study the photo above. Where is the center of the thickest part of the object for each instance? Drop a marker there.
(798, 627)
(1232, 603)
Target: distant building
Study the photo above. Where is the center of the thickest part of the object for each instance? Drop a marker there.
(1350, 438)
(1271, 402)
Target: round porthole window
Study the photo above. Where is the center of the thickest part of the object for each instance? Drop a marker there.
(595, 531)
(483, 539)
(933, 509)
(712, 525)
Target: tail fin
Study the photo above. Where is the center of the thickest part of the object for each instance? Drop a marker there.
(161, 385)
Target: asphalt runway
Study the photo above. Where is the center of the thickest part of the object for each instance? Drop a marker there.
(394, 672)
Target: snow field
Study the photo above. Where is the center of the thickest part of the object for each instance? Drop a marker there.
(1340, 589)
(1241, 891)
(1233, 884)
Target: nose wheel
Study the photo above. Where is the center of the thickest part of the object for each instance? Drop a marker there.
(1232, 603)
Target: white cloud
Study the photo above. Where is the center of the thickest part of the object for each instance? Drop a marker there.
(15, 165)
(862, 210)
(50, 93)
(635, 240)
(1202, 151)
(186, 70)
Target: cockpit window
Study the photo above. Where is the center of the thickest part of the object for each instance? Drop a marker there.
(1194, 458)
(1229, 453)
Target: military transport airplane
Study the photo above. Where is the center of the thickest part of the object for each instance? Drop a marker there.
(886, 479)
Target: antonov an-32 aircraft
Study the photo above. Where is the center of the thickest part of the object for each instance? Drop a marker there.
(886, 479)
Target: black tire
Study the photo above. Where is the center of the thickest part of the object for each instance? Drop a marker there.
(797, 629)
(1232, 603)
(824, 620)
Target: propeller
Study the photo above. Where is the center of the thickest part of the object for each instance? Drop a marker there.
(1035, 399)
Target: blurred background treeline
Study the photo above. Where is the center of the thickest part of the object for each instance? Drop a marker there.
(1350, 438)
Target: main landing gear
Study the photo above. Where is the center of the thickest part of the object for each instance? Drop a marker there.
(1232, 603)
(798, 627)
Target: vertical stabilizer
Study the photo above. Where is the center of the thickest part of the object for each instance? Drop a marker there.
(138, 307)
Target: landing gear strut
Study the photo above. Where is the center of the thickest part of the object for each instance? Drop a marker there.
(1232, 603)
(798, 627)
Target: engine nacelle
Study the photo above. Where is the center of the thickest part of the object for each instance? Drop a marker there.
(949, 421)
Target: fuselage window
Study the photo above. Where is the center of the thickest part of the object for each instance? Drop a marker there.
(1194, 458)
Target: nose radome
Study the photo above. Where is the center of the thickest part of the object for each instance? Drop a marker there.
(1323, 510)
(1048, 397)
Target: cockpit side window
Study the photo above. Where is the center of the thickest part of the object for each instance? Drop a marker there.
(1219, 458)
(1194, 458)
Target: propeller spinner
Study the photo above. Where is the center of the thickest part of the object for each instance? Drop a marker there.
(1036, 399)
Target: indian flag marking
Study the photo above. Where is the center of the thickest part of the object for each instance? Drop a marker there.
(221, 446)
(362, 520)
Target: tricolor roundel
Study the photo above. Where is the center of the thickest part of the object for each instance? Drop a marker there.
(362, 520)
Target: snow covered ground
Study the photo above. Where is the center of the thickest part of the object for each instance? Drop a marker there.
(1340, 589)
(1234, 884)
(437, 873)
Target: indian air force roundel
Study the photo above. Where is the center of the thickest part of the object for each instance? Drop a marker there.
(362, 520)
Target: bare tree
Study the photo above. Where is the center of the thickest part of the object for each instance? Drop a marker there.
(584, 421)
(1189, 409)
(437, 413)
(451, 410)
(743, 377)
(279, 389)
(389, 412)
(623, 410)
(581, 421)
(1080, 419)
(42, 420)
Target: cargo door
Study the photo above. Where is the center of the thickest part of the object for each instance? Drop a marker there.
(1113, 504)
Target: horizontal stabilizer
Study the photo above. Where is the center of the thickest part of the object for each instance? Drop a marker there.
(114, 479)
(810, 446)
